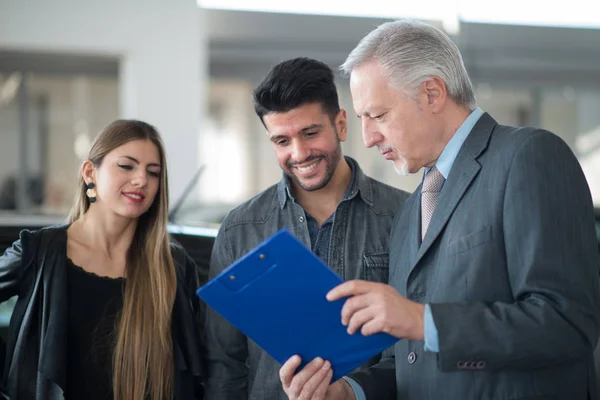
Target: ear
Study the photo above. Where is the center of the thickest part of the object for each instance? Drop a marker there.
(88, 171)
(341, 125)
(436, 93)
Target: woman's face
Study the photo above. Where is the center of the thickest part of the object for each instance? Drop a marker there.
(128, 178)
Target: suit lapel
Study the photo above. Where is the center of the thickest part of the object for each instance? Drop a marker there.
(463, 172)
(414, 235)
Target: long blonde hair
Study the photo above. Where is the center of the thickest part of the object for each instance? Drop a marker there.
(143, 352)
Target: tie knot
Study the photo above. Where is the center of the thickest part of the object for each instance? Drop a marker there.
(433, 181)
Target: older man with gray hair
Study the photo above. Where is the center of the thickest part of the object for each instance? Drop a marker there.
(493, 287)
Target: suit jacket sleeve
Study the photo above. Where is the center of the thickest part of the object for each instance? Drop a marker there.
(227, 347)
(552, 264)
(379, 381)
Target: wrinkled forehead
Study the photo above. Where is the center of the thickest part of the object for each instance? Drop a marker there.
(369, 88)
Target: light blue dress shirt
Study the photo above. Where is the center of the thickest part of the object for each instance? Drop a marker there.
(444, 165)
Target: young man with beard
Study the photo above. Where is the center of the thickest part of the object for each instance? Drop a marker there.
(324, 199)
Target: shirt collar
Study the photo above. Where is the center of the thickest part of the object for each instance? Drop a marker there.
(446, 159)
(359, 183)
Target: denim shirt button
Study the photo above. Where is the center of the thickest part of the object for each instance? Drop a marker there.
(301, 219)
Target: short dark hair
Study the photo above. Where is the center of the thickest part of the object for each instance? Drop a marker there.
(296, 82)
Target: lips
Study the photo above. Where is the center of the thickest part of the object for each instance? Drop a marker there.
(387, 152)
(135, 197)
(308, 167)
(307, 170)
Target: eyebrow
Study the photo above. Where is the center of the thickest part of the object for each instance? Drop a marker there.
(137, 162)
(303, 130)
(311, 127)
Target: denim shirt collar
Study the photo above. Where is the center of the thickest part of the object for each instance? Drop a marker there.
(358, 183)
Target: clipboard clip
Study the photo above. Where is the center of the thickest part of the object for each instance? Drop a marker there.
(237, 278)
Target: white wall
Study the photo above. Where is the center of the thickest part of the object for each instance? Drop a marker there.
(162, 51)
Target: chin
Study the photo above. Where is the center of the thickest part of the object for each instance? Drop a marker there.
(312, 184)
(311, 188)
(401, 167)
(132, 214)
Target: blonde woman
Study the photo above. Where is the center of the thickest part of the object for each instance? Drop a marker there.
(106, 305)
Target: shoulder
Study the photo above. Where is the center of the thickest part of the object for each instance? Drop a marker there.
(32, 245)
(43, 237)
(516, 145)
(386, 198)
(182, 260)
(512, 138)
(187, 271)
(178, 252)
(255, 210)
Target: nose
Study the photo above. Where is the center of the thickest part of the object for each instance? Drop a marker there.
(140, 179)
(299, 151)
(371, 136)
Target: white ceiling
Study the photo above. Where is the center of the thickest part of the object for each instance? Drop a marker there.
(242, 42)
(246, 44)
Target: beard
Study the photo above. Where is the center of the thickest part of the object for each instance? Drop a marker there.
(331, 161)
(401, 170)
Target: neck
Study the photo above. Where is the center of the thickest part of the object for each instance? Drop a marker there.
(454, 117)
(323, 202)
(108, 233)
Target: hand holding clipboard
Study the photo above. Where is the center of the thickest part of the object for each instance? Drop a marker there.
(276, 294)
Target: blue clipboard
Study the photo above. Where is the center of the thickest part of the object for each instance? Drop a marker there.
(275, 295)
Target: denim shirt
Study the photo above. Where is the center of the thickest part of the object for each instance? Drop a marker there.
(320, 236)
(358, 249)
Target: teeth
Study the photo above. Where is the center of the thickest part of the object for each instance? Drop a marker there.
(134, 196)
(308, 168)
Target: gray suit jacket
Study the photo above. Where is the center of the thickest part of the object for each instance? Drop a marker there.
(509, 266)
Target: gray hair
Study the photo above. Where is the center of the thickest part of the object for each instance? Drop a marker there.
(411, 52)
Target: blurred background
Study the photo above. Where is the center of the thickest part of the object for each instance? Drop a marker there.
(68, 68)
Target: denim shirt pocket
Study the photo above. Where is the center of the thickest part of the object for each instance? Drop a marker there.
(376, 266)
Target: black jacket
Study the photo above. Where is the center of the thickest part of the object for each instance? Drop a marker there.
(34, 269)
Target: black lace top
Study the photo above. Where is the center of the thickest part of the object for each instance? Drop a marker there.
(94, 304)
